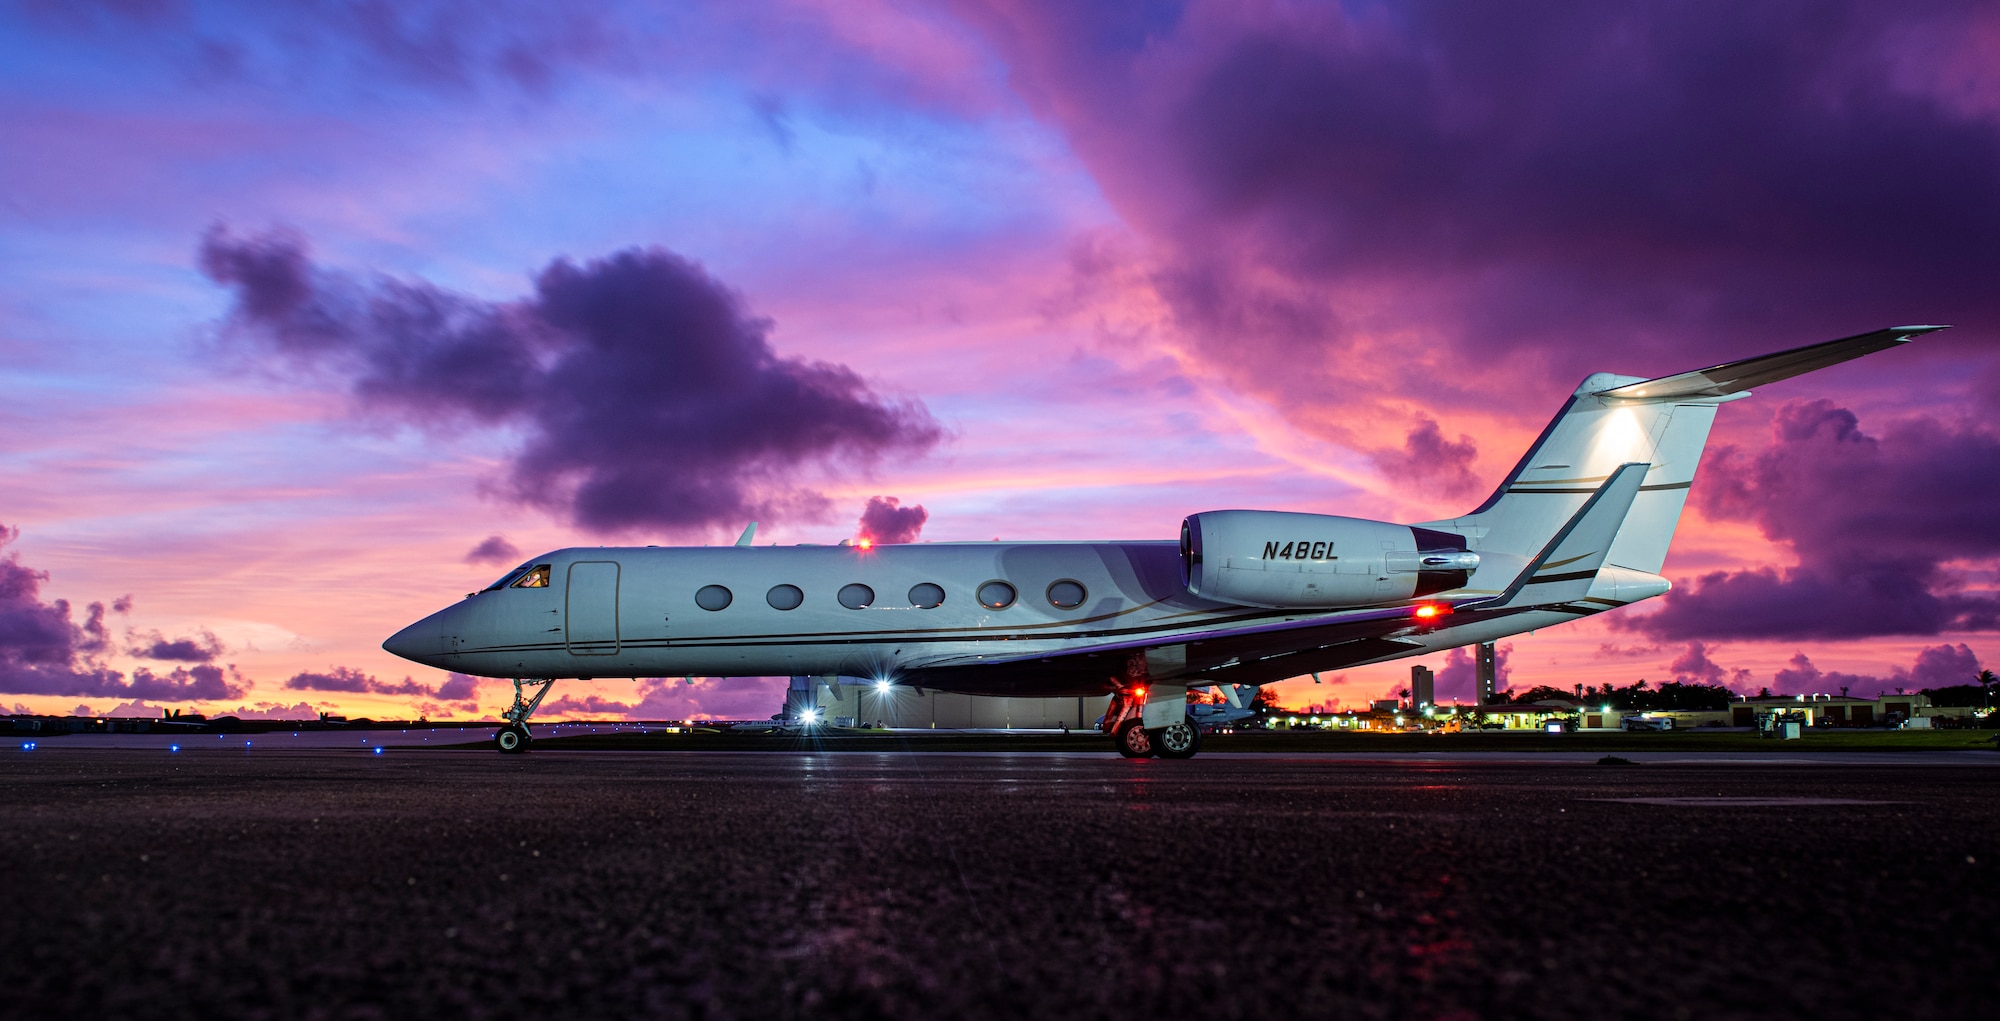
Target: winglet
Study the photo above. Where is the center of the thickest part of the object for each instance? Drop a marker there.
(1735, 377)
(749, 533)
(1565, 567)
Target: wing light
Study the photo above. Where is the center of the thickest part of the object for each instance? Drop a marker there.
(1432, 611)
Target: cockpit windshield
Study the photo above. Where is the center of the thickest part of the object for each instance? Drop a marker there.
(524, 576)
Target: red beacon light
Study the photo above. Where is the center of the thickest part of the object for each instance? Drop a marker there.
(1432, 611)
(866, 543)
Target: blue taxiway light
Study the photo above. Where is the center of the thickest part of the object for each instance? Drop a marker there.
(27, 746)
(378, 749)
(173, 747)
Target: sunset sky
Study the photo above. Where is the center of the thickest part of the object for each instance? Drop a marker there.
(314, 316)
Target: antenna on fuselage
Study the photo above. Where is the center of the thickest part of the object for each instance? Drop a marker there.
(749, 533)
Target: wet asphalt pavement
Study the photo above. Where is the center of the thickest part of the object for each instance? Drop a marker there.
(467, 884)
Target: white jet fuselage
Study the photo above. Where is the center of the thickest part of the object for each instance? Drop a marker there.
(636, 612)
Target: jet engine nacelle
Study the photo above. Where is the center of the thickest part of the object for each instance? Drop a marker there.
(1285, 560)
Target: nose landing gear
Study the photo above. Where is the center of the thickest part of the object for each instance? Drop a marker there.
(513, 738)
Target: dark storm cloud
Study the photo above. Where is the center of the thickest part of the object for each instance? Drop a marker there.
(1427, 458)
(648, 397)
(494, 549)
(1557, 182)
(884, 520)
(1877, 524)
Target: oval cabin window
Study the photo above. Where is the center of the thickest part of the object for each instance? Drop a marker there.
(712, 597)
(927, 596)
(1067, 594)
(784, 597)
(857, 596)
(996, 595)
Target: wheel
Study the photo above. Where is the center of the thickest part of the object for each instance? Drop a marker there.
(1178, 740)
(1133, 741)
(512, 739)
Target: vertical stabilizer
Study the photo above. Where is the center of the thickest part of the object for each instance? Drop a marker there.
(1613, 420)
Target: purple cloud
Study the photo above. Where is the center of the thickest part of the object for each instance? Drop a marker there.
(648, 397)
(1942, 666)
(353, 681)
(44, 652)
(201, 649)
(1875, 524)
(1373, 203)
(884, 520)
(1427, 458)
(202, 683)
(1937, 666)
(494, 549)
(1458, 679)
(459, 691)
(1693, 666)
(459, 687)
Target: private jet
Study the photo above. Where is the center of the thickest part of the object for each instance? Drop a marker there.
(1580, 526)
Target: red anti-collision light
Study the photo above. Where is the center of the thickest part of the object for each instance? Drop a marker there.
(1430, 611)
(866, 543)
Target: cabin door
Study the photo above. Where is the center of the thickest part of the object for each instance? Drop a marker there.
(591, 608)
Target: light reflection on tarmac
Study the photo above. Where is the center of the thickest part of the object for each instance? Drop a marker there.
(332, 882)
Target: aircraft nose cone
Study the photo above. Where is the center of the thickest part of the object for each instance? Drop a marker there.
(419, 643)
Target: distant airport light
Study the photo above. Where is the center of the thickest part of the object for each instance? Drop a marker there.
(173, 747)
(378, 749)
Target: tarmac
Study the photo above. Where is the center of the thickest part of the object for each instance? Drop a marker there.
(225, 881)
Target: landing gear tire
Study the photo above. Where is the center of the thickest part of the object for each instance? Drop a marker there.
(1133, 740)
(512, 739)
(1177, 740)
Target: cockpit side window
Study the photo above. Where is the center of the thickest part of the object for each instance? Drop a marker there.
(535, 577)
(507, 579)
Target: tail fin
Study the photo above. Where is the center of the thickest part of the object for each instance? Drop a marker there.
(1565, 568)
(1613, 420)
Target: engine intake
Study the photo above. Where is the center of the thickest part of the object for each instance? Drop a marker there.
(1287, 560)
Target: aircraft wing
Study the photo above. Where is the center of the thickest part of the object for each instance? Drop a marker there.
(1261, 651)
(1732, 377)
(1220, 654)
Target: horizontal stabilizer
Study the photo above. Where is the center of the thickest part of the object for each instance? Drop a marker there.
(1565, 568)
(1733, 377)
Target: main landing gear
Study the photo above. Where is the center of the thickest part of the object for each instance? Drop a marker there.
(513, 737)
(1125, 721)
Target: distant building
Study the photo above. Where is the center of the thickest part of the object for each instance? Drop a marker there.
(1485, 669)
(845, 703)
(1423, 688)
(1846, 711)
